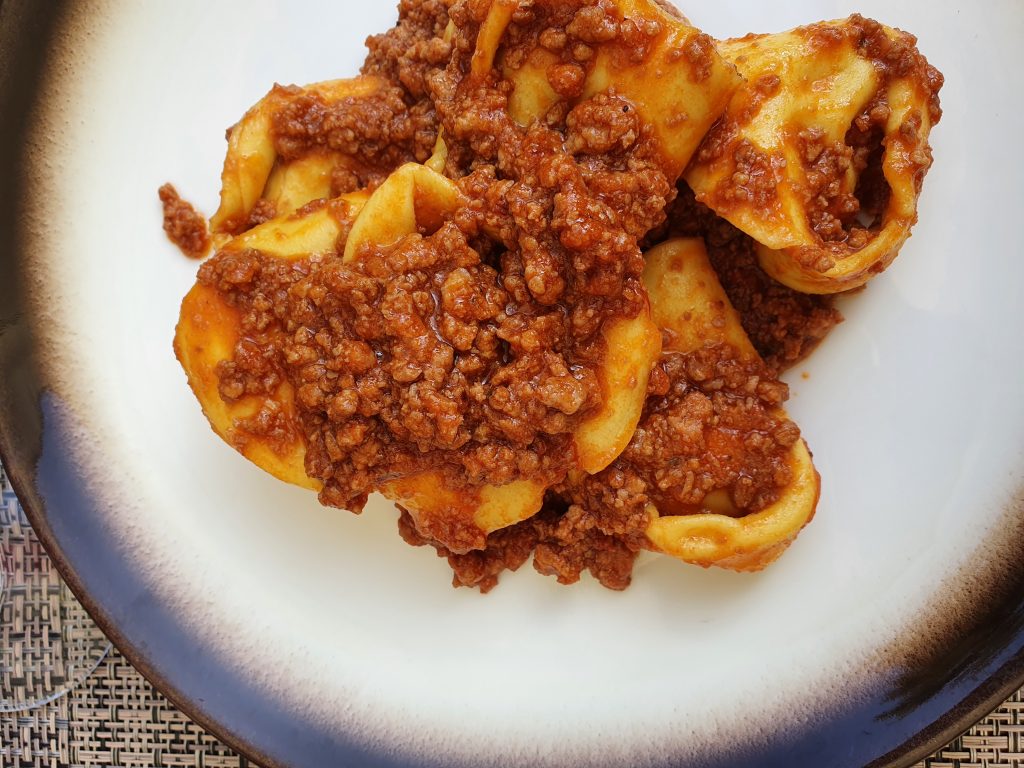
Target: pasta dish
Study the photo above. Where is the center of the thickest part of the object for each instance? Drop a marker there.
(534, 272)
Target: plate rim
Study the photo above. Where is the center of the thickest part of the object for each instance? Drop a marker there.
(18, 352)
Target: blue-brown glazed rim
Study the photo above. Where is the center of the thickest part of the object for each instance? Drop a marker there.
(938, 697)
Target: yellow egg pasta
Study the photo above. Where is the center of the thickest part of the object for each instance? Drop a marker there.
(821, 154)
(253, 169)
(455, 280)
(690, 305)
(678, 82)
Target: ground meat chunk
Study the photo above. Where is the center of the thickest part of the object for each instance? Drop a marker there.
(506, 550)
(564, 541)
(415, 48)
(184, 225)
(717, 427)
(575, 541)
(784, 325)
(379, 132)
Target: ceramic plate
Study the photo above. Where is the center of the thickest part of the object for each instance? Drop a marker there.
(308, 637)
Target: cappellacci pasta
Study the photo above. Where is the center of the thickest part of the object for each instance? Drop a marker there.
(822, 152)
(474, 278)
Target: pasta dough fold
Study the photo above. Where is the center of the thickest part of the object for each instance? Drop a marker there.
(821, 154)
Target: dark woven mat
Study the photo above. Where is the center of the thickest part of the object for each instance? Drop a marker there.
(115, 718)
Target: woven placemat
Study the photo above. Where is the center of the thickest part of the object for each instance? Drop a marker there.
(114, 717)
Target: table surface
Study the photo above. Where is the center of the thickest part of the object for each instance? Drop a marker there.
(116, 718)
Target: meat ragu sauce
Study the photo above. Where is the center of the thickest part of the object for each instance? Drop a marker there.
(784, 325)
(379, 134)
(709, 424)
(184, 225)
(474, 348)
(457, 349)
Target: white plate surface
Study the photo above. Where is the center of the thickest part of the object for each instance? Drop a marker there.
(912, 408)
